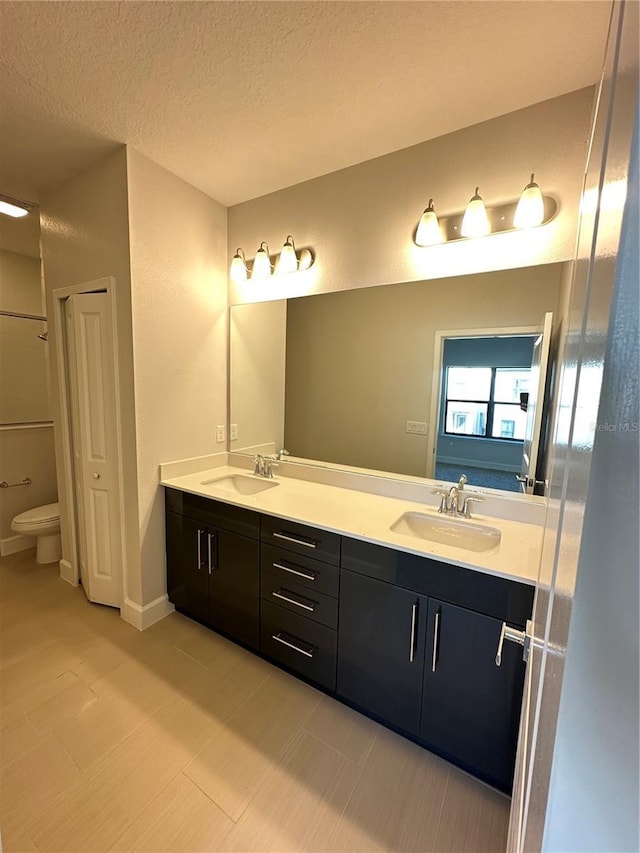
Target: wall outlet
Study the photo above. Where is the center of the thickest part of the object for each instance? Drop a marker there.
(233, 432)
(416, 427)
(220, 431)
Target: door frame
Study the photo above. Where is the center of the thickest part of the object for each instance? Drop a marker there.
(70, 568)
(440, 335)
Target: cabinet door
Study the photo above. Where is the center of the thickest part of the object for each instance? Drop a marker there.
(381, 641)
(187, 568)
(234, 585)
(471, 707)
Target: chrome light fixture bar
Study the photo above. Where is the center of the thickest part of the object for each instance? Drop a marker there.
(289, 260)
(478, 220)
(14, 207)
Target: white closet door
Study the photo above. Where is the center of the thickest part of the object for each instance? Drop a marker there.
(92, 375)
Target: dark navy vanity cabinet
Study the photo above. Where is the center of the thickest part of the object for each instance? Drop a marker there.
(405, 639)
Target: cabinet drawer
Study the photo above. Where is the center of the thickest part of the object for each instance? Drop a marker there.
(299, 599)
(311, 574)
(236, 519)
(298, 643)
(300, 539)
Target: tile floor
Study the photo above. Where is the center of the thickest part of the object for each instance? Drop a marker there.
(175, 739)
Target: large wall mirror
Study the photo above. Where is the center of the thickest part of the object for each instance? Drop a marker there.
(426, 379)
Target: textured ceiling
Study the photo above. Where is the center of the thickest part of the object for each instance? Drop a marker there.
(243, 98)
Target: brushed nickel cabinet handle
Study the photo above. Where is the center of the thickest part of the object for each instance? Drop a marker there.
(200, 532)
(280, 639)
(436, 638)
(209, 537)
(310, 607)
(414, 613)
(294, 540)
(294, 571)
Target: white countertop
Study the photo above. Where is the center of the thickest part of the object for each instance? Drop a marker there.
(361, 515)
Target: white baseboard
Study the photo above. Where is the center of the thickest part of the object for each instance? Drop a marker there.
(13, 544)
(68, 573)
(143, 617)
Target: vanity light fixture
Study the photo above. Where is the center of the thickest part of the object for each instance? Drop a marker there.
(428, 232)
(475, 222)
(15, 208)
(530, 209)
(238, 270)
(262, 262)
(289, 260)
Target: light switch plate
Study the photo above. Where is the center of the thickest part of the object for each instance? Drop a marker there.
(233, 432)
(416, 427)
(220, 431)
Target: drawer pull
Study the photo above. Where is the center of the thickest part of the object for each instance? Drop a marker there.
(294, 571)
(311, 606)
(280, 639)
(307, 544)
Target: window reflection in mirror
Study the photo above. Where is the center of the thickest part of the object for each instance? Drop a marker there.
(350, 378)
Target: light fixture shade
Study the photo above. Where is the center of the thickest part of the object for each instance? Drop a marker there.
(288, 260)
(530, 209)
(475, 222)
(238, 269)
(14, 210)
(261, 263)
(428, 232)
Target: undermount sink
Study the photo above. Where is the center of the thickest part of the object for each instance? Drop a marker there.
(458, 533)
(241, 484)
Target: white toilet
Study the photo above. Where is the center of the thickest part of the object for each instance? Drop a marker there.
(43, 522)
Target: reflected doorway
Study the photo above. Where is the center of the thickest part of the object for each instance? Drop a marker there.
(484, 392)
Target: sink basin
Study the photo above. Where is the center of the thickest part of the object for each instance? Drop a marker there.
(458, 533)
(241, 484)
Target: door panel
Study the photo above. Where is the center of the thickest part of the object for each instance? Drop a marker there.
(530, 468)
(91, 371)
(234, 585)
(381, 648)
(189, 590)
(471, 707)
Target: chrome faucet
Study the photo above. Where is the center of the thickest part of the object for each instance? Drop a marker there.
(453, 502)
(263, 467)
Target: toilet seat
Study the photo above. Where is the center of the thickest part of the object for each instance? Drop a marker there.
(40, 517)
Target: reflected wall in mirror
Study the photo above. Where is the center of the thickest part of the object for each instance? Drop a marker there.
(357, 380)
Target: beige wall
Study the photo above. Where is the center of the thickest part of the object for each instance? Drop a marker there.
(178, 294)
(360, 363)
(360, 221)
(85, 236)
(20, 287)
(258, 335)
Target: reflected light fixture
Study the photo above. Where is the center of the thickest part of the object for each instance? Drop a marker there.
(238, 270)
(288, 260)
(262, 262)
(15, 208)
(428, 232)
(530, 209)
(475, 222)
